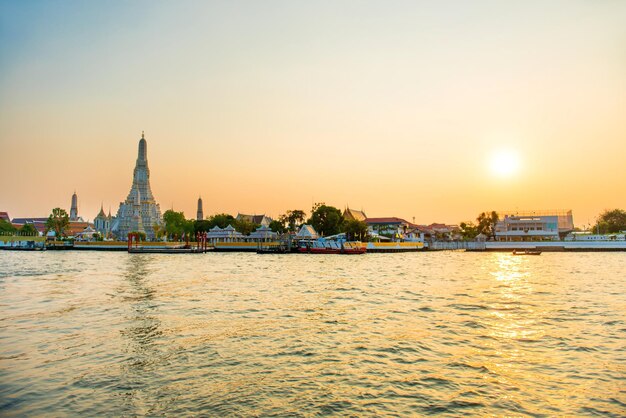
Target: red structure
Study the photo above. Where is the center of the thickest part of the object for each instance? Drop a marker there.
(201, 241)
(133, 238)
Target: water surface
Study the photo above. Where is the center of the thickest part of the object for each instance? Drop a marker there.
(447, 333)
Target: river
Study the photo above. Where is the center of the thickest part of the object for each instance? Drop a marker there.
(237, 334)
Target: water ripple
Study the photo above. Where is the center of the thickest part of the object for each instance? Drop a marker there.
(446, 333)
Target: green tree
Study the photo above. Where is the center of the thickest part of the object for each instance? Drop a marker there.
(356, 230)
(28, 229)
(487, 223)
(278, 226)
(327, 220)
(245, 227)
(469, 230)
(58, 221)
(174, 223)
(202, 226)
(221, 220)
(292, 219)
(6, 226)
(610, 222)
(189, 227)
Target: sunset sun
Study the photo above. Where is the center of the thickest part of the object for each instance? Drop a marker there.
(504, 163)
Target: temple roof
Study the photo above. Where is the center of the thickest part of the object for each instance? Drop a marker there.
(307, 231)
(101, 214)
(354, 214)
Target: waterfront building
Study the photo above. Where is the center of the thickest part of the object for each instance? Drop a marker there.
(444, 232)
(228, 234)
(140, 209)
(38, 223)
(588, 236)
(565, 219)
(397, 229)
(390, 227)
(255, 219)
(87, 234)
(263, 233)
(527, 228)
(74, 228)
(200, 212)
(354, 215)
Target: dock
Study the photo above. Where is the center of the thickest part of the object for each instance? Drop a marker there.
(163, 250)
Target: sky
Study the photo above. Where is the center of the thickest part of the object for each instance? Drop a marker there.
(432, 111)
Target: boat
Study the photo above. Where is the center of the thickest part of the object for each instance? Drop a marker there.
(527, 252)
(317, 247)
(170, 250)
(330, 247)
(353, 248)
(22, 248)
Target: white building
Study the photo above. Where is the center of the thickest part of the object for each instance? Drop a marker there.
(587, 236)
(527, 228)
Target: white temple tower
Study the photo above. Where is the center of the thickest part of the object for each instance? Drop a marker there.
(140, 209)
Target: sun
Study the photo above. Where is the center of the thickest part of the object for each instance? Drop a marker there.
(504, 163)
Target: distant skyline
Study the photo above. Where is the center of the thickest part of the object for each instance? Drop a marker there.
(432, 110)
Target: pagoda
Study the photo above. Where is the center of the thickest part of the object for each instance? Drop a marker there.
(139, 212)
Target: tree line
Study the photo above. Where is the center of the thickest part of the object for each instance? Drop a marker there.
(327, 220)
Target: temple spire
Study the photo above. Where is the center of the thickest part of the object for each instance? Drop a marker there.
(200, 212)
(74, 207)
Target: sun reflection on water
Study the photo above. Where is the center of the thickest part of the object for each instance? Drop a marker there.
(447, 333)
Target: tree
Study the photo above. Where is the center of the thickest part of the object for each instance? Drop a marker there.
(174, 223)
(221, 220)
(327, 220)
(58, 221)
(610, 222)
(292, 219)
(158, 231)
(28, 229)
(6, 226)
(356, 230)
(245, 227)
(487, 223)
(202, 226)
(189, 227)
(469, 230)
(278, 227)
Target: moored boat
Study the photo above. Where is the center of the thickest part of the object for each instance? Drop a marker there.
(353, 248)
(331, 247)
(527, 252)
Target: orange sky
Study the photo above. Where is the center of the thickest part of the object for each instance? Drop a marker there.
(262, 107)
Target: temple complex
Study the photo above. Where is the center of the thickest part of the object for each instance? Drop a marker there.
(139, 212)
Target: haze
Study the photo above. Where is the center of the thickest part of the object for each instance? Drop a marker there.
(396, 108)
